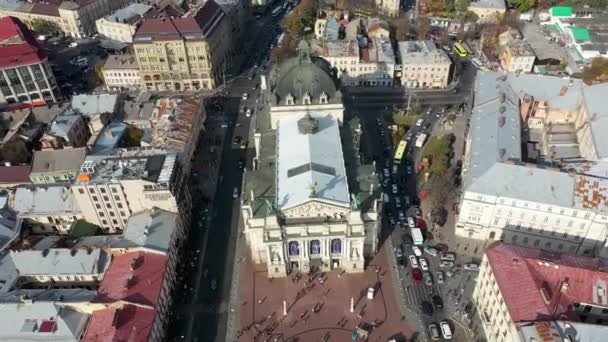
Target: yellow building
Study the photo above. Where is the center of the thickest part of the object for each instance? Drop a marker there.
(184, 54)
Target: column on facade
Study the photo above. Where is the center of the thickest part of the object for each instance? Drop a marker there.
(31, 72)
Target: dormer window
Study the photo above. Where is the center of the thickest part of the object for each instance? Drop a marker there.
(306, 99)
(323, 98)
(289, 100)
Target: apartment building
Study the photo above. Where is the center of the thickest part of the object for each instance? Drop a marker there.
(121, 72)
(343, 55)
(184, 54)
(377, 64)
(46, 209)
(57, 166)
(519, 286)
(506, 198)
(389, 8)
(423, 65)
(69, 129)
(515, 54)
(488, 11)
(25, 76)
(122, 24)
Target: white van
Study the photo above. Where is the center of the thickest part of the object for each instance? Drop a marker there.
(386, 198)
(446, 331)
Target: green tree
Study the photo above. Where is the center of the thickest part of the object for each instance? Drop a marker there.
(462, 6)
(44, 27)
(523, 5)
(438, 148)
(293, 24)
(423, 26)
(598, 70)
(470, 17)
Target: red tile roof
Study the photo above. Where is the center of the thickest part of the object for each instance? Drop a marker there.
(17, 44)
(191, 28)
(541, 285)
(14, 174)
(134, 277)
(130, 323)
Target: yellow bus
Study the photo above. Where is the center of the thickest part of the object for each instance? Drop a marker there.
(460, 50)
(399, 151)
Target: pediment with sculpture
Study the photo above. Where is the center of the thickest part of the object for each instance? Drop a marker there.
(315, 208)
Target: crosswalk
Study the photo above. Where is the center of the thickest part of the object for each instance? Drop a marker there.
(415, 294)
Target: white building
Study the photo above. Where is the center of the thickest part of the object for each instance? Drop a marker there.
(46, 208)
(515, 53)
(377, 64)
(122, 24)
(520, 291)
(423, 65)
(110, 188)
(121, 72)
(506, 199)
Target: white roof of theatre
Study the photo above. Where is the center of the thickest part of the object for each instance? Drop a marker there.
(310, 165)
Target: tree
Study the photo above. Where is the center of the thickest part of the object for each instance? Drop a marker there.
(293, 24)
(44, 27)
(423, 26)
(597, 71)
(470, 17)
(401, 27)
(438, 148)
(462, 6)
(523, 5)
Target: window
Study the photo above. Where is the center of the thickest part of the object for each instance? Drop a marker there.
(116, 198)
(525, 241)
(114, 221)
(514, 238)
(536, 243)
(565, 235)
(97, 205)
(560, 246)
(100, 213)
(104, 222)
(122, 213)
(112, 214)
(108, 205)
(95, 199)
(114, 190)
(548, 244)
(92, 190)
(119, 205)
(576, 238)
(102, 190)
(81, 191)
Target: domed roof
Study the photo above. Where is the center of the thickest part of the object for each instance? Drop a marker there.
(303, 75)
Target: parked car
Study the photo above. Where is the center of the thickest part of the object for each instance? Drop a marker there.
(245, 96)
(395, 189)
(419, 122)
(471, 266)
(386, 173)
(428, 280)
(440, 277)
(430, 250)
(401, 216)
(397, 202)
(235, 193)
(447, 257)
(398, 251)
(437, 302)
(423, 264)
(416, 250)
(410, 222)
(413, 261)
(434, 332)
(446, 264)
(446, 331)
(416, 275)
(248, 112)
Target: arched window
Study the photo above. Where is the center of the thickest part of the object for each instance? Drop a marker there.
(294, 248)
(315, 247)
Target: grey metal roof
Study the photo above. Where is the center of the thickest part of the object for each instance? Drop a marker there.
(54, 261)
(312, 160)
(96, 104)
(151, 228)
(128, 13)
(104, 241)
(421, 52)
(23, 321)
(594, 98)
(10, 226)
(497, 4)
(63, 295)
(63, 124)
(68, 159)
(121, 62)
(45, 200)
(109, 138)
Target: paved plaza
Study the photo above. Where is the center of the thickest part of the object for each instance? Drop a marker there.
(319, 305)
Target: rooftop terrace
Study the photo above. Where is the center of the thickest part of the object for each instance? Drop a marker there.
(157, 168)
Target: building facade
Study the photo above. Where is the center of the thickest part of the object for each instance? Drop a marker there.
(184, 54)
(423, 65)
(488, 11)
(389, 8)
(57, 166)
(515, 53)
(69, 129)
(25, 75)
(110, 188)
(122, 24)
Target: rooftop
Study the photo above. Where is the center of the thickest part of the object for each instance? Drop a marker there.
(542, 47)
(151, 229)
(173, 120)
(40, 321)
(157, 168)
(341, 48)
(492, 4)
(310, 162)
(110, 138)
(378, 51)
(94, 104)
(45, 200)
(195, 27)
(61, 126)
(120, 62)
(19, 174)
(135, 278)
(130, 14)
(10, 226)
(68, 159)
(49, 295)
(18, 47)
(127, 323)
(561, 331)
(541, 285)
(421, 52)
(54, 261)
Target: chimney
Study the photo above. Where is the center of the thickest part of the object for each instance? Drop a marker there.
(563, 91)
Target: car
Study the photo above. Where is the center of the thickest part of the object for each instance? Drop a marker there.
(449, 274)
(235, 193)
(428, 280)
(446, 264)
(244, 144)
(378, 121)
(401, 216)
(416, 275)
(245, 96)
(440, 277)
(434, 332)
(395, 169)
(410, 222)
(397, 202)
(417, 213)
(409, 169)
(73, 44)
(236, 140)
(413, 261)
(398, 251)
(406, 199)
(419, 122)
(427, 308)
(386, 173)
(370, 293)
(391, 221)
(446, 331)
(394, 188)
(252, 76)
(437, 302)
(213, 284)
(424, 264)
(429, 111)
(417, 251)
(471, 266)
(430, 250)
(241, 164)
(447, 256)
(248, 112)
